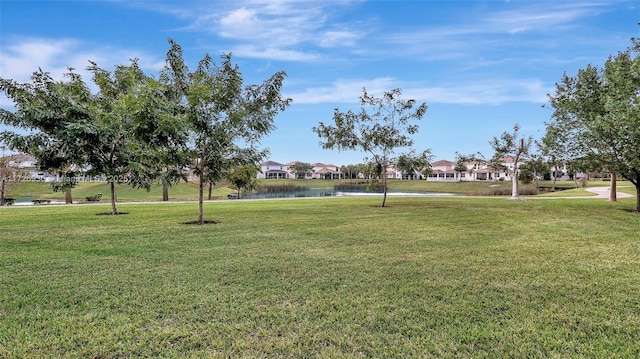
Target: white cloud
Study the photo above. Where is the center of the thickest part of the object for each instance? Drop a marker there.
(342, 91)
(22, 56)
(270, 28)
(488, 92)
(549, 16)
(251, 51)
(338, 38)
(25, 55)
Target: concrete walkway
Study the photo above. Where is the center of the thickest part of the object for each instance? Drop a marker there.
(603, 192)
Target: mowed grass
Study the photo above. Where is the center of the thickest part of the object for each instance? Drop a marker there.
(339, 277)
(125, 193)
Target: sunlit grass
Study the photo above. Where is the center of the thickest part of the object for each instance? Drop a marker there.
(425, 277)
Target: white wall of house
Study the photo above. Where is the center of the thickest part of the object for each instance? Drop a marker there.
(272, 169)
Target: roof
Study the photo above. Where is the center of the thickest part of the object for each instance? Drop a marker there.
(271, 163)
(318, 164)
(443, 163)
(326, 170)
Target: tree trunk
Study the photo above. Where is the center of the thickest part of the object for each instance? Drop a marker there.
(210, 190)
(553, 184)
(638, 196)
(514, 186)
(165, 191)
(112, 187)
(384, 190)
(613, 195)
(2, 193)
(201, 200)
(68, 199)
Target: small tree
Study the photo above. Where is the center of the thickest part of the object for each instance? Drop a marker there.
(301, 169)
(380, 127)
(532, 170)
(461, 166)
(514, 146)
(463, 160)
(413, 164)
(225, 119)
(243, 178)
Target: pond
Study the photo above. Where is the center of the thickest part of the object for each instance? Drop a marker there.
(331, 192)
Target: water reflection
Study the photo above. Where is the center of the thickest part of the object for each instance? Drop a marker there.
(331, 192)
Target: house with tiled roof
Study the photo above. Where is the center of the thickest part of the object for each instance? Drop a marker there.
(325, 171)
(442, 170)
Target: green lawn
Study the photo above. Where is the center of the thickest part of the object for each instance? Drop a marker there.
(125, 193)
(333, 277)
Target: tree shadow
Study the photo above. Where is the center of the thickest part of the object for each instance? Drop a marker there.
(197, 223)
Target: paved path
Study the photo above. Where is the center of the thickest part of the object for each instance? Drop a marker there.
(603, 192)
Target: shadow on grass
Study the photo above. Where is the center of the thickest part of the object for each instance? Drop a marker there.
(197, 223)
(630, 210)
(110, 214)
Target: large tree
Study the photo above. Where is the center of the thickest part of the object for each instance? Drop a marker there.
(133, 126)
(511, 145)
(383, 125)
(226, 119)
(48, 123)
(620, 124)
(599, 108)
(579, 105)
(114, 134)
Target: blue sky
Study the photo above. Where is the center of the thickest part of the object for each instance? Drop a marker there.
(481, 66)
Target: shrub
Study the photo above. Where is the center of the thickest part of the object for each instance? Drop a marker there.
(8, 201)
(94, 198)
(365, 186)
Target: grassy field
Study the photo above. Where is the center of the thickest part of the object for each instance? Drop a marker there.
(333, 277)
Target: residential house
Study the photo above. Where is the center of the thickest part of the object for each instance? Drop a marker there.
(325, 171)
(273, 170)
(295, 175)
(24, 166)
(442, 170)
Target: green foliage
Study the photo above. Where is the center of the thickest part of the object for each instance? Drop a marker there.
(243, 178)
(525, 175)
(225, 119)
(301, 169)
(48, 120)
(510, 144)
(413, 164)
(597, 113)
(123, 132)
(94, 198)
(382, 126)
